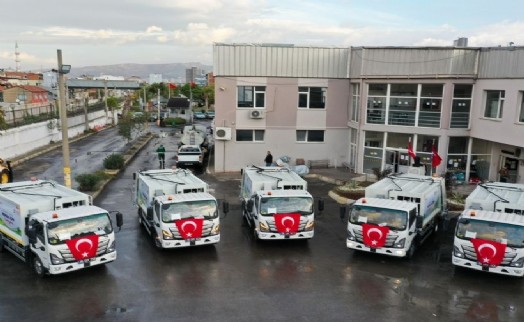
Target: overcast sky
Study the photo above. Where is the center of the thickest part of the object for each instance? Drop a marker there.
(107, 32)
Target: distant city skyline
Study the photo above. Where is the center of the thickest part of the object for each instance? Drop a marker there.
(162, 32)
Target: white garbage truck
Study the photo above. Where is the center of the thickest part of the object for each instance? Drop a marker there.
(276, 203)
(176, 208)
(489, 235)
(398, 213)
(53, 228)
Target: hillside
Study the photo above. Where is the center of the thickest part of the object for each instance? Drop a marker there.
(175, 72)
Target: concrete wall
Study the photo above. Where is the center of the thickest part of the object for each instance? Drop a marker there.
(23, 139)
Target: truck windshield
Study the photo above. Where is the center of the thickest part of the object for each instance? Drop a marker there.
(283, 205)
(206, 209)
(394, 219)
(58, 232)
(488, 230)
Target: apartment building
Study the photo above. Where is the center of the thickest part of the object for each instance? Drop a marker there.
(363, 107)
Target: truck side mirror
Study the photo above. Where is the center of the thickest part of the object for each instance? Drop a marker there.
(149, 213)
(31, 234)
(342, 212)
(134, 175)
(119, 220)
(225, 207)
(419, 222)
(320, 204)
(250, 204)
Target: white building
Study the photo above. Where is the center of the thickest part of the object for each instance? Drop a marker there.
(362, 105)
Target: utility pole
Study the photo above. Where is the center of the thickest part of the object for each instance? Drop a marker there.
(63, 120)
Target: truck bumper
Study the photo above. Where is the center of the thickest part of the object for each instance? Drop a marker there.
(396, 252)
(298, 235)
(504, 270)
(190, 242)
(69, 267)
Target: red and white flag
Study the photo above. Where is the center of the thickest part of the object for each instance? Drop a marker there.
(287, 223)
(489, 252)
(435, 159)
(83, 247)
(374, 236)
(172, 86)
(410, 150)
(190, 228)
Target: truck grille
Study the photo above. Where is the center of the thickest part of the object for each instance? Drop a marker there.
(390, 239)
(206, 230)
(469, 253)
(103, 242)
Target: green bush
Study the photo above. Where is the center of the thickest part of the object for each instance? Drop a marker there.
(88, 181)
(114, 162)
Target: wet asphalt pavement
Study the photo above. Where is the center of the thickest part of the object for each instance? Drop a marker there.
(241, 279)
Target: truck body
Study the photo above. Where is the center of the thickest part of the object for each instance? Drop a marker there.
(397, 214)
(489, 235)
(176, 208)
(189, 156)
(195, 134)
(276, 203)
(53, 228)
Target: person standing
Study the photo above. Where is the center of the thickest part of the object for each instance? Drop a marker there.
(161, 151)
(504, 173)
(269, 159)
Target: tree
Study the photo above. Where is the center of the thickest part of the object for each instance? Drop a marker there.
(209, 95)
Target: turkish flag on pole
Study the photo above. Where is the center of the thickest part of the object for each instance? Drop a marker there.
(489, 252)
(192, 84)
(410, 150)
(190, 228)
(83, 247)
(374, 236)
(287, 223)
(435, 159)
(172, 86)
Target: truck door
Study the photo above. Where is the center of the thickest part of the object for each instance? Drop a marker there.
(156, 218)
(39, 247)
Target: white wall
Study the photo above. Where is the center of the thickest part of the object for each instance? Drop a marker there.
(23, 139)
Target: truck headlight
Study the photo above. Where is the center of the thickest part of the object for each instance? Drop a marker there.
(263, 226)
(111, 247)
(215, 230)
(518, 263)
(310, 225)
(56, 260)
(400, 243)
(166, 234)
(457, 252)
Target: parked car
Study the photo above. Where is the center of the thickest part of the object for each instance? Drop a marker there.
(199, 115)
(210, 114)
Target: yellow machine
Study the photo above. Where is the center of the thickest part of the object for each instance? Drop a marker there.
(6, 173)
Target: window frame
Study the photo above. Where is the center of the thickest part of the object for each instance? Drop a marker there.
(307, 137)
(253, 134)
(258, 96)
(500, 104)
(302, 92)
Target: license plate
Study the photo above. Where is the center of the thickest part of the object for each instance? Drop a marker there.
(192, 242)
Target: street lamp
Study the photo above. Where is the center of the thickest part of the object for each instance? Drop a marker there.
(64, 69)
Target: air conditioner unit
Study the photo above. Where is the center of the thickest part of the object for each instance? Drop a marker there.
(256, 114)
(223, 133)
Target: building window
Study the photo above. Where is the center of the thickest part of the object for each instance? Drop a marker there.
(461, 106)
(355, 102)
(310, 136)
(521, 114)
(311, 97)
(251, 96)
(494, 104)
(430, 105)
(376, 106)
(402, 104)
(250, 135)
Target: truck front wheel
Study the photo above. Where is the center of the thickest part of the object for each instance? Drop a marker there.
(411, 251)
(38, 267)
